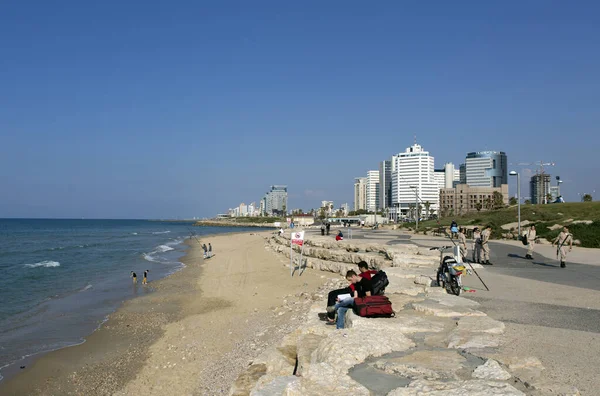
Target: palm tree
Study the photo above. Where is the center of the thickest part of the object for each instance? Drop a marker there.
(587, 198)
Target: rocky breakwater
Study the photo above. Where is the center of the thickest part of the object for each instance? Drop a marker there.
(437, 344)
(225, 223)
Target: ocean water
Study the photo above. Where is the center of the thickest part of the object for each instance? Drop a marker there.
(59, 279)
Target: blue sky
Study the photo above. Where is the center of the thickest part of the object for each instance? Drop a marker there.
(185, 108)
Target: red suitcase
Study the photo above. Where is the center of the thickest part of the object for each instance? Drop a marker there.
(373, 307)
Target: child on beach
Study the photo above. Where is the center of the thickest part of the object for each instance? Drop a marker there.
(145, 280)
(134, 277)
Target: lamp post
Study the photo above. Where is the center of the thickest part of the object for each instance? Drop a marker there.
(514, 173)
(416, 207)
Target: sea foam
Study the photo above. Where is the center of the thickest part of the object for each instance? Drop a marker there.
(46, 264)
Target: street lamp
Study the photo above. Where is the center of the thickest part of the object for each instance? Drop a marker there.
(514, 173)
(416, 207)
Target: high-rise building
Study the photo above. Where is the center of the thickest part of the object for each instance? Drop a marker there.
(486, 169)
(539, 188)
(360, 193)
(447, 176)
(385, 184)
(462, 174)
(439, 175)
(276, 200)
(413, 171)
(372, 190)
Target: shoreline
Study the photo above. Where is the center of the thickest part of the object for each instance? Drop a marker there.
(200, 302)
(48, 373)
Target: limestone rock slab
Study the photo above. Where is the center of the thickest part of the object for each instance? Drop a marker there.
(491, 370)
(473, 340)
(432, 307)
(346, 348)
(324, 379)
(480, 324)
(431, 365)
(276, 387)
(457, 388)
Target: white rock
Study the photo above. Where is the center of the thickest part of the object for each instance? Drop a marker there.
(473, 340)
(457, 388)
(491, 370)
(424, 365)
(480, 324)
(432, 307)
(346, 348)
(276, 387)
(323, 379)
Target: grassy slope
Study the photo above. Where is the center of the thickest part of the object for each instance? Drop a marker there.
(542, 215)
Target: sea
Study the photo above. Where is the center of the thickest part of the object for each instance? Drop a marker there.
(60, 279)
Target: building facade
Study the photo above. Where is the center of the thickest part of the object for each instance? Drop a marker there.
(373, 190)
(385, 184)
(360, 193)
(413, 172)
(539, 187)
(465, 199)
(486, 169)
(275, 200)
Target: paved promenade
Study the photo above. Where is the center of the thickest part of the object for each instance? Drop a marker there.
(550, 312)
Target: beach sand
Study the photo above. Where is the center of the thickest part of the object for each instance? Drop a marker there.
(192, 336)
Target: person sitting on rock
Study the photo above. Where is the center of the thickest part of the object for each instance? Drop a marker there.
(365, 272)
(361, 287)
(339, 236)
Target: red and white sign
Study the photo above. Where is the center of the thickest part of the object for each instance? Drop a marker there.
(298, 238)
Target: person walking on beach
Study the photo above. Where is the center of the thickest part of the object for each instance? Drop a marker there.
(209, 250)
(530, 242)
(145, 279)
(561, 249)
(485, 238)
(462, 242)
(205, 249)
(322, 228)
(476, 245)
(327, 227)
(134, 277)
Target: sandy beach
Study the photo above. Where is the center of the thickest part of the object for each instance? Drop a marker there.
(193, 335)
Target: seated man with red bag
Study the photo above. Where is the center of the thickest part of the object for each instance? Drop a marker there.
(359, 287)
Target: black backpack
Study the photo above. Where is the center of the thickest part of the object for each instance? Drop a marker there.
(379, 281)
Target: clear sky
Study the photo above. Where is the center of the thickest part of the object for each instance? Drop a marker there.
(147, 109)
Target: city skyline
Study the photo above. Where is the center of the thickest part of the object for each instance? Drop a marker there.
(183, 110)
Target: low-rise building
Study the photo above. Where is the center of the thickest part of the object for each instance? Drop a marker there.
(465, 199)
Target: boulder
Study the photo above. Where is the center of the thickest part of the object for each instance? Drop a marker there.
(432, 307)
(401, 324)
(276, 387)
(457, 388)
(491, 370)
(479, 324)
(324, 379)
(424, 365)
(346, 348)
(473, 340)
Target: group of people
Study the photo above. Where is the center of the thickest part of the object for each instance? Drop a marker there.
(133, 276)
(340, 300)
(481, 247)
(207, 250)
(325, 228)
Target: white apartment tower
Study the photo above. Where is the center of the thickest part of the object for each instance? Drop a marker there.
(414, 171)
(360, 193)
(372, 190)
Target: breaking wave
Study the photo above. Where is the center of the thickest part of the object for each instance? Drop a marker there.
(46, 264)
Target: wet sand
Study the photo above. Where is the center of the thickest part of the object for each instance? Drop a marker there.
(193, 335)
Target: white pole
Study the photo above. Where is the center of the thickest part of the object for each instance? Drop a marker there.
(519, 201)
(291, 257)
(416, 208)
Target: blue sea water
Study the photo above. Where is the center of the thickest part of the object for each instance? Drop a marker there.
(59, 279)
